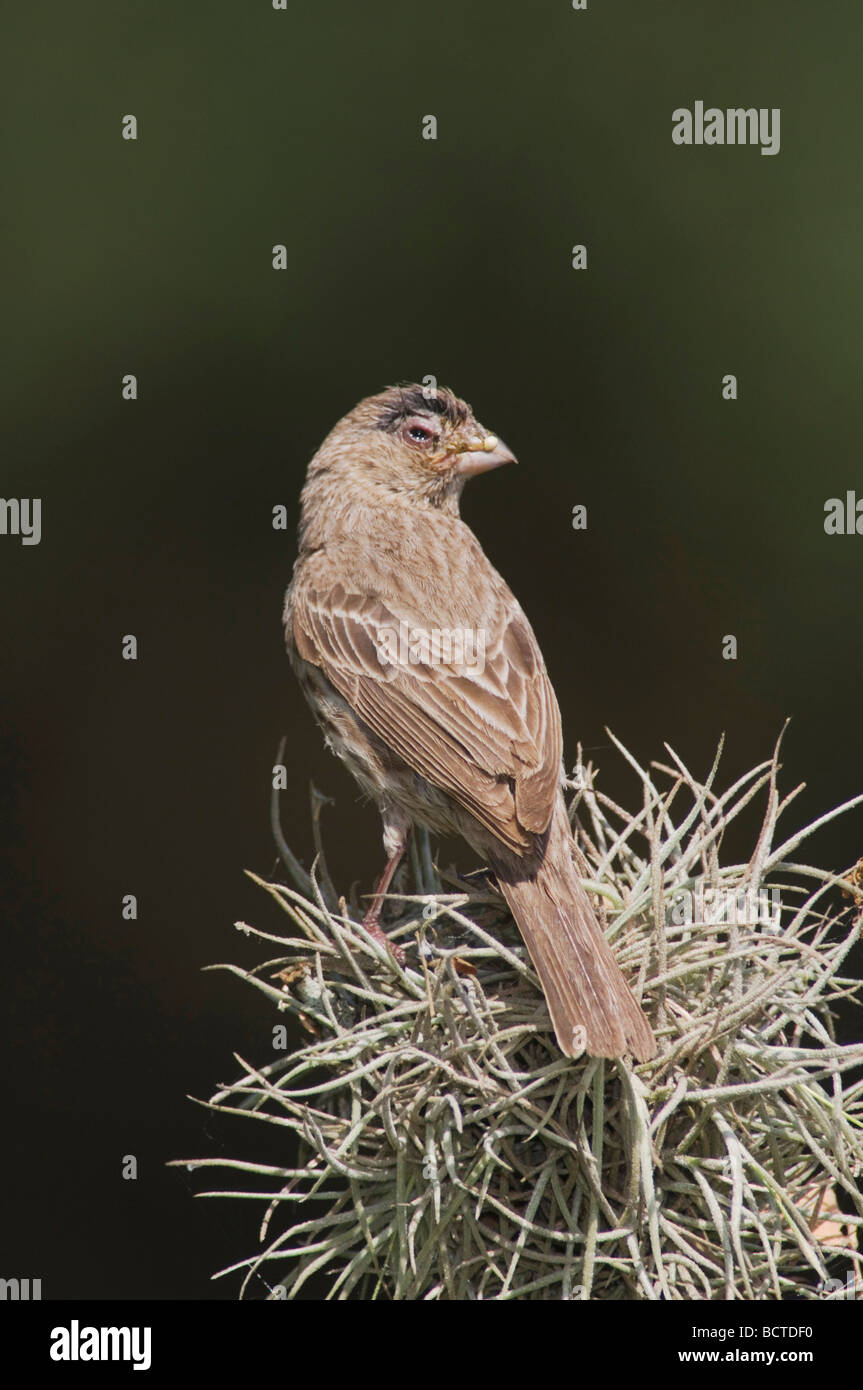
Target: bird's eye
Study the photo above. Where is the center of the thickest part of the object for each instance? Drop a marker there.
(420, 433)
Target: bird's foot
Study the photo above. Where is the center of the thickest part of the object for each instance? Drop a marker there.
(374, 928)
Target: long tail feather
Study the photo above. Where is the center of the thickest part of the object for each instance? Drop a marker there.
(591, 1005)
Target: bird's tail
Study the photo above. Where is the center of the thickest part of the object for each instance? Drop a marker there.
(591, 1005)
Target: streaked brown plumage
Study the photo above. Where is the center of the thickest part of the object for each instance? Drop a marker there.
(469, 747)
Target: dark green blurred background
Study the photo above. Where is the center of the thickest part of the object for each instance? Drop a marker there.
(406, 258)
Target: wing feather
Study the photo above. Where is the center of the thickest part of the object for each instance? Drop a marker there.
(488, 734)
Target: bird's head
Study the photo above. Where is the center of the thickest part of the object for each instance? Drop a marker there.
(427, 438)
(418, 443)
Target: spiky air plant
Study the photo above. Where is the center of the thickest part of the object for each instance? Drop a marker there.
(448, 1150)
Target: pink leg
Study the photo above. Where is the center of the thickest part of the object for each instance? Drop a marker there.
(398, 841)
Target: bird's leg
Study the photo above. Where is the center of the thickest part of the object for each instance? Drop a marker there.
(396, 831)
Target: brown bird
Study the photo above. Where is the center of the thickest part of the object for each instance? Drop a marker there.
(428, 682)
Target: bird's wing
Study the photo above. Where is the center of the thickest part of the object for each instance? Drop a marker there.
(487, 733)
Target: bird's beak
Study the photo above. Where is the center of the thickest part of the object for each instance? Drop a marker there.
(482, 453)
